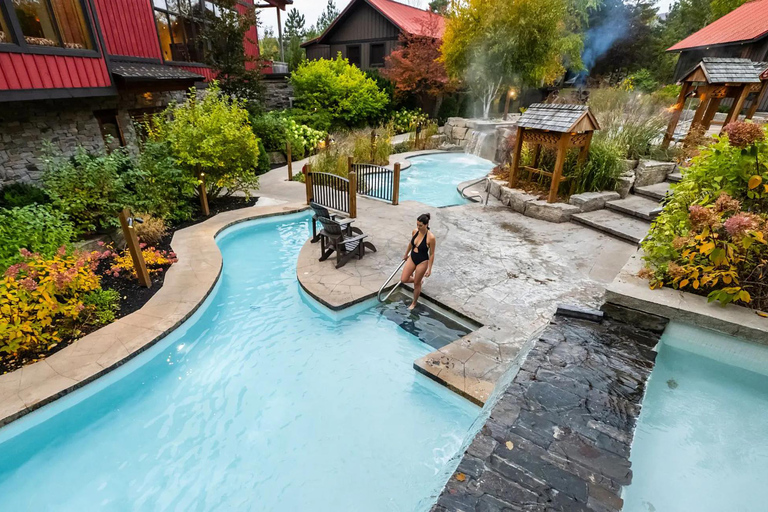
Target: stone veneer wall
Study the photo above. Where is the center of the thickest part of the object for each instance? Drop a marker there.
(278, 92)
(25, 127)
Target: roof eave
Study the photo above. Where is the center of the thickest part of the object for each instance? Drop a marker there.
(675, 48)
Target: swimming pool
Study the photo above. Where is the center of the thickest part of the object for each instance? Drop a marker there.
(261, 401)
(701, 441)
(432, 179)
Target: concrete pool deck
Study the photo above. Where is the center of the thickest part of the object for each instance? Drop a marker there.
(501, 269)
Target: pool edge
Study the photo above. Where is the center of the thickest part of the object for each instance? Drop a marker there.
(46, 384)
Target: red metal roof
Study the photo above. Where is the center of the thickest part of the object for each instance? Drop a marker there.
(747, 23)
(411, 19)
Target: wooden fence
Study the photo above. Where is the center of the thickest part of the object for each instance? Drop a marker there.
(340, 194)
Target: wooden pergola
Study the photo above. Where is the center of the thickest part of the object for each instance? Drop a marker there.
(555, 126)
(713, 80)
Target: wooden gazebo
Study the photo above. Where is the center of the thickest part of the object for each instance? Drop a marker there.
(556, 126)
(713, 80)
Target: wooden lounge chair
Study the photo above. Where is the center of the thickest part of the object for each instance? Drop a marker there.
(322, 211)
(335, 237)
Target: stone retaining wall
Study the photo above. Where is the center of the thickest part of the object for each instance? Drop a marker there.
(26, 126)
(278, 92)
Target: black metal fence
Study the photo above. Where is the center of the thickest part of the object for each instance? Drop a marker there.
(330, 191)
(375, 181)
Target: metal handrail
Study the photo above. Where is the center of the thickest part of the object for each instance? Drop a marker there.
(378, 295)
(487, 189)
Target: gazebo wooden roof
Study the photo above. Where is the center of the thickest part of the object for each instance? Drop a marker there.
(556, 126)
(714, 79)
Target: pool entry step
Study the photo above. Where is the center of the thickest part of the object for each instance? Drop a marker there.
(426, 322)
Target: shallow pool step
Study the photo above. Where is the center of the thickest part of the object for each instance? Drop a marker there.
(658, 191)
(425, 322)
(627, 228)
(636, 206)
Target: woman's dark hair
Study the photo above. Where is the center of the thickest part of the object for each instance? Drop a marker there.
(424, 219)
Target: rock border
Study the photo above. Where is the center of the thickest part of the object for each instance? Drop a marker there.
(187, 284)
(635, 296)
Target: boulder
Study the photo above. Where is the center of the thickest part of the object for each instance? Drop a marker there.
(625, 183)
(591, 201)
(651, 172)
(550, 212)
(458, 134)
(516, 199)
(630, 165)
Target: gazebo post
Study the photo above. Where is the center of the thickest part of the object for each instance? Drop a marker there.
(584, 151)
(733, 115)
(679, 106)
(758, 99)
(714, 104)
(514, 172)
(562, 149)
(701, 110)
(536, 155)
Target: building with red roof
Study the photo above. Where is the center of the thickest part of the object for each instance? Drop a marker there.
(367, 31)
(742, 33)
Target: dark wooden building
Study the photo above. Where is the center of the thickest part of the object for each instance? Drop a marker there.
(367, 31)
(742, 33)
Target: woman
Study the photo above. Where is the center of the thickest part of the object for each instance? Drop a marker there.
(422, 256)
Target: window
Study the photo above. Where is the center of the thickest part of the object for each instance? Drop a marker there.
(110, 129)
(179, 23)
(377, 55)
(353, 55)
(5, 33)
(53, 23)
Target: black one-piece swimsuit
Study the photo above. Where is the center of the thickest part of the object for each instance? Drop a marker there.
(423, 250)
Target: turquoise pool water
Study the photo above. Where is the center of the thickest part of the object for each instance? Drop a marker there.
(261, 401)
(702, 438)
(432, 179)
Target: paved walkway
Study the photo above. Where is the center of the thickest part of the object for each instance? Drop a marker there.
(559, 437)
(504, 270)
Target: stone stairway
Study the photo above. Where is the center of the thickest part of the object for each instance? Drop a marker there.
(629, 219)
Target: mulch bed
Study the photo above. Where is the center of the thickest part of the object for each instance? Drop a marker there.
(133, 296)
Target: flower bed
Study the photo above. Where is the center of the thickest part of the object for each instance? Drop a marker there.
(712, 237)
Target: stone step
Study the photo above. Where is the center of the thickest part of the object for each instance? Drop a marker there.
(636, 206)
(675, 177)
(658, 191)
(629, 229)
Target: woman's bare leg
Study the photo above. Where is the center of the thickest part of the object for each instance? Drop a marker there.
(419, 275)
(408, 270)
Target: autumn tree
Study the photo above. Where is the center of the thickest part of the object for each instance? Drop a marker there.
(416, 70)
(491, 43)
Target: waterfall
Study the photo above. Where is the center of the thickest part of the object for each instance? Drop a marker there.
(482, 144)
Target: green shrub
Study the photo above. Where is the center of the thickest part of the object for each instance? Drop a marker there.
(37, 228)
(404, 121)
(101, 306)
(450, 107)
(668, 93)
(642, 81)
(160, 186)
(271, 128)
(630, 120)
(210, 133)
(22, 194)
(601, 170)
(264, 164)
(340, 90)
(321, 120)
(88, 188)
(366, 150)
(712, 236)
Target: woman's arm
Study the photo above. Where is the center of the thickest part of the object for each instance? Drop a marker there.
(408, 250)
(432, 243)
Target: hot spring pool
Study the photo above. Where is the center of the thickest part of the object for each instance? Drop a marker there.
(432, 179)
(261, 401)
(701, 442)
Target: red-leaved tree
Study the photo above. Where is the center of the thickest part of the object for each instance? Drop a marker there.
(416, 70)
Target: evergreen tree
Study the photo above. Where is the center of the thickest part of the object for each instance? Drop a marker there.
(294, 33)
(327, 16)
(439, 6)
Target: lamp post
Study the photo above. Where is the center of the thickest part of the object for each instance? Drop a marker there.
(511, 95)
(127, 221)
